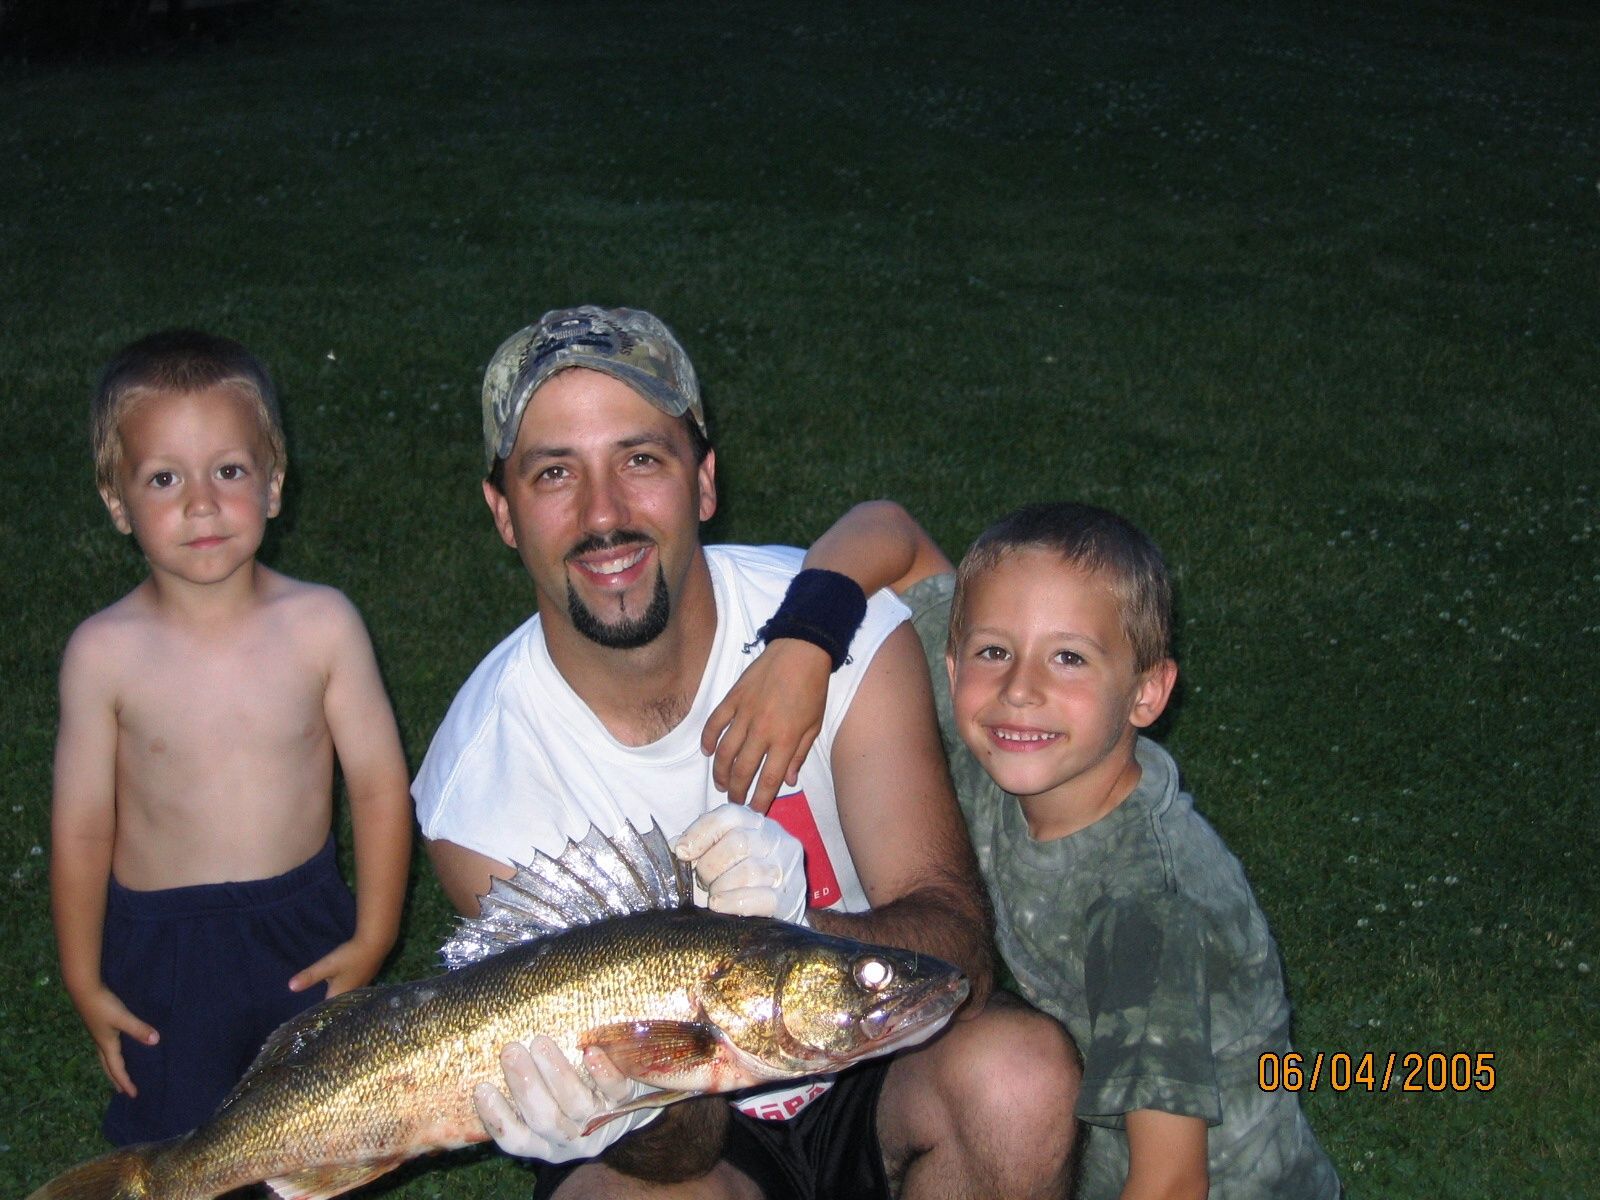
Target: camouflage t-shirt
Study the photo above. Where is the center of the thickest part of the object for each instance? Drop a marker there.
(1141, 935)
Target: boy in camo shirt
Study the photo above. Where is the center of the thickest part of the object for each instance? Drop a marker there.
(1118, 908)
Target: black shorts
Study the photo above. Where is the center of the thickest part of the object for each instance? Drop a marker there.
(828, 1152)
(209, 967)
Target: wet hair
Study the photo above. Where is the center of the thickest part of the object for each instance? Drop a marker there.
(698, 439)
(179, 362)
(1090, 539)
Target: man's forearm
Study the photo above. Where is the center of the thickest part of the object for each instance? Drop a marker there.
(946, 919)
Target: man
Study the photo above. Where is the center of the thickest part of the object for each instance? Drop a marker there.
(600, 471)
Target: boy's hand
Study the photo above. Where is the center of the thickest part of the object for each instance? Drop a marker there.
(107, 1018)
(347, 966)
(768, 721)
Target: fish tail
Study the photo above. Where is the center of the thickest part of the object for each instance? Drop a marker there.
(123, 1174)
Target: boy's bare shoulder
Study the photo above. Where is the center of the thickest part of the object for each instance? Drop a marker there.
(278, 588)
(313, 608)
(113, 633)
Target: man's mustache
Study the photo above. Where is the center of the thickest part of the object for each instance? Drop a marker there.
(611, 541)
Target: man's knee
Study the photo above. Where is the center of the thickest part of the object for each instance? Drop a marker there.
(1010, 1073)
(1019, 1063)
(985, 1110)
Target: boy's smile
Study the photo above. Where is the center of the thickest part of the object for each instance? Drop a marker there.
(193, 486)
(1045, 691)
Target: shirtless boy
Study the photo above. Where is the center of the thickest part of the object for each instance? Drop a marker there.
(196, 898)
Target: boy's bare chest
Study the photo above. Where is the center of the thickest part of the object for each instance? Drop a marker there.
(219, 702)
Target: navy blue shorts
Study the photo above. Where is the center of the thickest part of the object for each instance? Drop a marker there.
(209, 967)
(828, 1152)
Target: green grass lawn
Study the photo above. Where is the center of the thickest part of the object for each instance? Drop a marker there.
(1308, 290)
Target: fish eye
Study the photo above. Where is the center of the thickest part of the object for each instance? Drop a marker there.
(874, 974)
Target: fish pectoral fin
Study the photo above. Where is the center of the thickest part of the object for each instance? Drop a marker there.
(659, 1052)
(318, 1183)
(651, 1100)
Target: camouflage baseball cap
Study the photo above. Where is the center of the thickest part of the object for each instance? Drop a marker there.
(625, 343)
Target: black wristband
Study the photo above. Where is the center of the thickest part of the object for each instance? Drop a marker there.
(824, 608)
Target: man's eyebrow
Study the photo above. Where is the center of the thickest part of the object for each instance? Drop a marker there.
(533, 454)
(647, 438)
(634, 441)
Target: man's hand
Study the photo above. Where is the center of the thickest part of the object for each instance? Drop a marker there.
(106, 1018)
(551, 1103)
(766, 724)
(749, 865)
(348, 965)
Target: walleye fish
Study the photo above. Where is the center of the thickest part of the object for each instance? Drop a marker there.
(683, 999)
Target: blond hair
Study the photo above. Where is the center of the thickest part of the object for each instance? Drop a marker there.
(179, 362)
(1090, 539)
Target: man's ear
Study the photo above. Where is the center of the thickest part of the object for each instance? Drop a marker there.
(1154, 690)
(500, 509)
(114, 506)
(275, 494)
(707, 472)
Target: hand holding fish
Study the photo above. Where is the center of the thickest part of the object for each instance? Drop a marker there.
(749, 865)
(551, 1104)
(766, 724)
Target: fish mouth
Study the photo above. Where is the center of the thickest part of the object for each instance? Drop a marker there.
(911, 1018)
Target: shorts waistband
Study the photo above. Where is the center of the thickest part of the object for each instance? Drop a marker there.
(220, 897)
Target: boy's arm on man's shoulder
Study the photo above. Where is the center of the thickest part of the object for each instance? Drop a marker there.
(899, 814)
(367, 743)
(765, 726)
(879, 545)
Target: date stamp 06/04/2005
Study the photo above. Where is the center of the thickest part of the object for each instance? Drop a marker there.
(1375, 1071)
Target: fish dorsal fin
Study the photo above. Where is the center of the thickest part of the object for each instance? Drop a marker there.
(590, 880)
(319, 1183)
